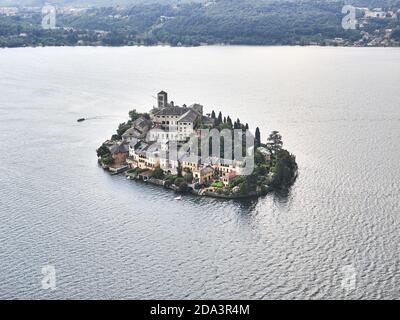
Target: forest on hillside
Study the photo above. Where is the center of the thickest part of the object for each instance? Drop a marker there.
(188, 23)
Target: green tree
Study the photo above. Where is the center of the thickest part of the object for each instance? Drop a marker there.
(179, 169)
(259, 158)
(213, 114)
(284, 170)
(107, 159)
(239, 125)
(220, 117)
(158, 173)
(257, 139)
(103, 150)
(178, 181)
(134, 115)
(243, 188)
(264, 190)
(229, 122)
(188, 177)
(183, 187)
(122, 128)
(274, 142)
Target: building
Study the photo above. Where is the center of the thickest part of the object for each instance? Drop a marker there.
(173, 118)
(156, 142)
(208, 122)
(169, 163)
(137, 155)
(226, 166)
(174, 122)
(228, 177)
(119, 154)
(162, 99)
(197, 107)
(162, 135)
(187, 123)
(9, 11)
(190, 163)
(139, 129)
(203, 175)
(168, 116)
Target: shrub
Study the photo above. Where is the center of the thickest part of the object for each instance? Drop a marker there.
(178, 181)
(284, 170)
(189, 177)
(197, 186)
(158, 173)
(102, 151)
(217, 184)
(183, 187)
(263, 190)
(122, 128)
(107, 159)
(243, 188)
(236, 181)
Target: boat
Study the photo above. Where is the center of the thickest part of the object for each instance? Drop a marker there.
(81, 119)
(178, 198)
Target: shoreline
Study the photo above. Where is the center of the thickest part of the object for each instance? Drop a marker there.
(161, 183)
(201, 46)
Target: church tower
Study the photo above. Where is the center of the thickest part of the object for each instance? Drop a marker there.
(162, 98)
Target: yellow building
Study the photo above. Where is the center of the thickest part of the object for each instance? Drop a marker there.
(203, 175)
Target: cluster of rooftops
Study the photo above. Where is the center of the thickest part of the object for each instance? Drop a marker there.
(149, 141)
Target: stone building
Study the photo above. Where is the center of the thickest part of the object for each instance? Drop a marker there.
(119, 153)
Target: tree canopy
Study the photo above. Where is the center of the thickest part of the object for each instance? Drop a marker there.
(188, 23)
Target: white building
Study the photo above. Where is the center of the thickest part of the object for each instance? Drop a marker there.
(178, 122)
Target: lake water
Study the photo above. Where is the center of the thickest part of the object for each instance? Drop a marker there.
(337, 109)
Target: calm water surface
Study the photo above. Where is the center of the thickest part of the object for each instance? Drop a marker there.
(337, 109)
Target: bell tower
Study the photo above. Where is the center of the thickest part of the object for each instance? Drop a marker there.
(162, 98)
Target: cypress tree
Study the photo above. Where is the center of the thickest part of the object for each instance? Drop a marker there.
(257, 139)
(238, 124)
(219, 117)
(229, 121)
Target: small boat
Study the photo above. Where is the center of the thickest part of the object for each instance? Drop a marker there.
(81, 119)
(178, 198)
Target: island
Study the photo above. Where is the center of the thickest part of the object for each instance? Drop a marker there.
(181, 148)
